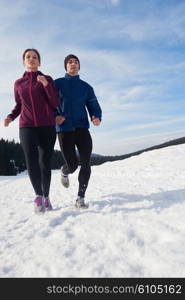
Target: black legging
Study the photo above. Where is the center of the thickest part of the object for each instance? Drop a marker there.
(38, 144)
(81, 139)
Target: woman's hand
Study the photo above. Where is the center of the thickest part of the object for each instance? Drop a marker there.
(42, 79)
(7, 121)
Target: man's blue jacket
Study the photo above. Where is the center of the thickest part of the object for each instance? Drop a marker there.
(76, 98)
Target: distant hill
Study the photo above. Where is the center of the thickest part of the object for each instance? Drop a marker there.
(96, 155)
(99, 160)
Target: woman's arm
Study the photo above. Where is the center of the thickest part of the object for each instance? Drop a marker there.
(17, 109)
(50, 89)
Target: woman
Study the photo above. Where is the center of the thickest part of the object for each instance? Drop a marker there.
(36, 99)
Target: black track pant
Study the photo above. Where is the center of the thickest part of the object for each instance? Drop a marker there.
(81, 139)
(38, 144)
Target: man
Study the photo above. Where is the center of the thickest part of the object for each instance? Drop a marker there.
(76, 98)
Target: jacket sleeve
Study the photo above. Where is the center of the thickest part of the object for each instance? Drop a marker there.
(17, 109)
(92, 104)
(59, 111)
(52, 93)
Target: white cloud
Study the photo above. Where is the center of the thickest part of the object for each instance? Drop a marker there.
(115, 2)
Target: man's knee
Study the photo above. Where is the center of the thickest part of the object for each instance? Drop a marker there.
(73, 167)
(68, 169)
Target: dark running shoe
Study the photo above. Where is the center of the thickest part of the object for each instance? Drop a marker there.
(80, 203)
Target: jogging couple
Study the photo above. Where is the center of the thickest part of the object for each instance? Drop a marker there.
(47, 107)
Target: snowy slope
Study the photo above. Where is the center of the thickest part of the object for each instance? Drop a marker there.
(134, 227)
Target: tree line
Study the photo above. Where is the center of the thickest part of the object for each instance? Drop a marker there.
(12, 159)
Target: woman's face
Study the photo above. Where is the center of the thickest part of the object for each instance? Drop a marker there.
(31, 61)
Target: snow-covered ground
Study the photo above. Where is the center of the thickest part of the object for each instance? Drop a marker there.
(134, 227)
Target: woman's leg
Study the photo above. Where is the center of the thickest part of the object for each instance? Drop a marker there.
(47, 138)
(29, 142)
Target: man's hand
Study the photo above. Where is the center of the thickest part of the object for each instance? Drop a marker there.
(95, 121)
(59, 120)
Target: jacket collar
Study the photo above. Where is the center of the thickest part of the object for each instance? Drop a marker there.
(33, 74)
(67, 76)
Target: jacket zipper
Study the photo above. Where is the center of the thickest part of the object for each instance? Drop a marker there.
(47, 109)
(32, 103)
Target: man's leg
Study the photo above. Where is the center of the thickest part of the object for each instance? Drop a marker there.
(84, 145)
(67, 146)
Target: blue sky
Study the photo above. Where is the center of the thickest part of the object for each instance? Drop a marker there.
(131, 52)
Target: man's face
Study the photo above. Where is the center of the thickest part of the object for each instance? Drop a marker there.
(73, 66)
